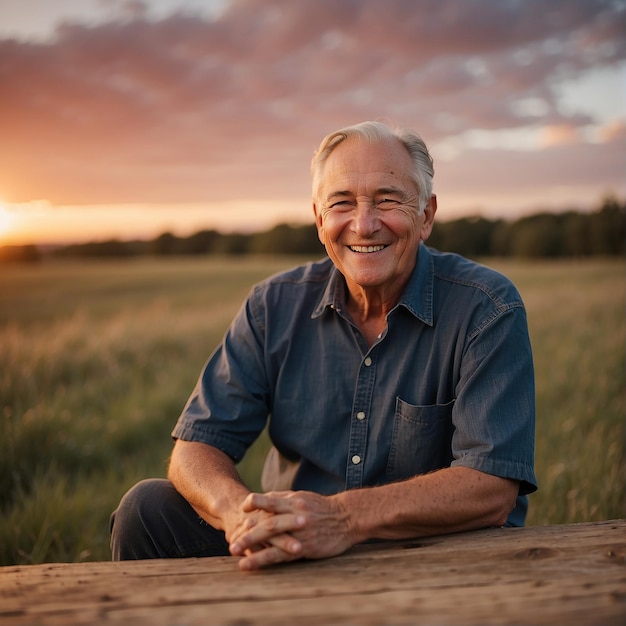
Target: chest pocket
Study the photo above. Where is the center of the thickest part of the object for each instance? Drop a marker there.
(421, 439)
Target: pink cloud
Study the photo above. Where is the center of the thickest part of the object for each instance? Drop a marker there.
(192, 110)
(559, 135)
(614, 132)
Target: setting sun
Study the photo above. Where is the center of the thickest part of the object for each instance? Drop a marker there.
(5, 220)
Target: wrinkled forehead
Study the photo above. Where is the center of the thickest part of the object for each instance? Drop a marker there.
(359, 164)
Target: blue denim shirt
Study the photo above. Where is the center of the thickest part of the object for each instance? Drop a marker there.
(449, 382)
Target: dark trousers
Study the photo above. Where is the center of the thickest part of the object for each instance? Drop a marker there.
(153, 521)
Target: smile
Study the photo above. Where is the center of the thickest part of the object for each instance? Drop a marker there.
(367, 248)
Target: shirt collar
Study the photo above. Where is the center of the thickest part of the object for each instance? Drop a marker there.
(417, 297)
(333, 296)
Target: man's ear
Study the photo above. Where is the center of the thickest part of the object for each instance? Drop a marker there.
(429, 218)
(318, 223)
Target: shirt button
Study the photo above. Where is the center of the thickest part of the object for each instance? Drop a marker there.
(360, 415)
(367, 362)
(356, 459)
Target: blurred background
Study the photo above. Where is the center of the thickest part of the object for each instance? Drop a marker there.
(129, 118)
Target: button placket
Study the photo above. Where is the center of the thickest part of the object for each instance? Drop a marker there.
(358, 428)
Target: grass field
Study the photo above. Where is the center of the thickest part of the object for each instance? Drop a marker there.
(98, 358)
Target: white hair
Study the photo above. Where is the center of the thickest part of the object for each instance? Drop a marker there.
(423, 168)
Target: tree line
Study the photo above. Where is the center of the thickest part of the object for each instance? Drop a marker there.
(542, 235)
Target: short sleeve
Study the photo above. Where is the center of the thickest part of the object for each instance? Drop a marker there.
(494, 412)
(229, 405)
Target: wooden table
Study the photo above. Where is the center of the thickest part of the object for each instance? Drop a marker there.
(572, 574)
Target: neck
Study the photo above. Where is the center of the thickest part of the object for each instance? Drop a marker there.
(368, 310)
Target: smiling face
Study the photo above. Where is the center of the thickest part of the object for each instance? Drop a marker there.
(367, 214)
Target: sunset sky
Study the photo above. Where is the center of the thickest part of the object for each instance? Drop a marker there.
(127, 118)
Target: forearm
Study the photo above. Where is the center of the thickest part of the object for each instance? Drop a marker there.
(208, 480)
(450, 500)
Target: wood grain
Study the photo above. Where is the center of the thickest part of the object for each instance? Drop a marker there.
(571, 574)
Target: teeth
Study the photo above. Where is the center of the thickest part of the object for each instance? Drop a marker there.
(366, 248)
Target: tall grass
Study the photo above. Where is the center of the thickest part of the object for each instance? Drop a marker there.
(97, 359)
(577, 325)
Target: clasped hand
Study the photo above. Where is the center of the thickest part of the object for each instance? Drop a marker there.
(283, 526)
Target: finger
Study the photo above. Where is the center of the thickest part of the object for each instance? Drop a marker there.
(274, 502)
(272, 530)
(263, 558)
(284, 542)
(244, 527)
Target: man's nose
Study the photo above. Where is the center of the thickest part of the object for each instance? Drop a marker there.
(366, 219)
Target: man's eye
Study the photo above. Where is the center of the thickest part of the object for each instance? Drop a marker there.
(387, 202)
(341, 204)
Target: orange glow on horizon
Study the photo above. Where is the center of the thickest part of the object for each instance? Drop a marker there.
(6, 221)
(40, 222)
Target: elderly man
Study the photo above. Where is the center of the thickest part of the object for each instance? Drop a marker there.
(397, 380)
